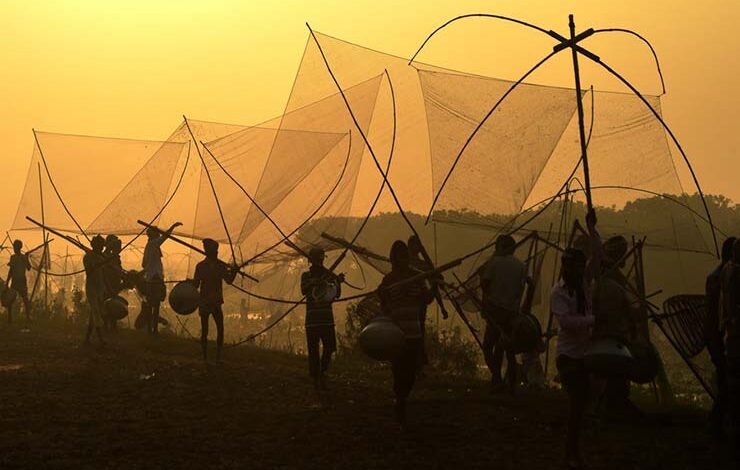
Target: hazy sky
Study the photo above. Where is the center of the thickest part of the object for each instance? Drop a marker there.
(131, 68)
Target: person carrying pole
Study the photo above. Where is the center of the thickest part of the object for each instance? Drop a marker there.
(503, 280)
(112, 274)
(316, 284)
(209, 276)
(16, 280)
(93, 261)
(402, 303)
(155, 291)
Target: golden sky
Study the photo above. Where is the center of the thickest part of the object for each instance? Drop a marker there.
(131, 68)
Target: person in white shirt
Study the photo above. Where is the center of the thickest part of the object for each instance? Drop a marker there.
(155, 291)
(571, 304)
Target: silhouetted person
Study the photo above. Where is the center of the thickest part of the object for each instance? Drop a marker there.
(59, 306)
(95, 287)
(209, 276)
(730, 324)
(112, 274)
(403, 304)
(16, 280)
(616, 310)
(156, 291)
(570, 304)
(503, 280)
(419, 264)
(714, 337)
(320, 332)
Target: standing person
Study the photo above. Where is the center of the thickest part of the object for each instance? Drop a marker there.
(16, 280)
(617, 312)
(112, 275)
(713, 337)
(503, 280)
(209, 276)
(403, 304)
(730, 324)
(571, 305)
(319, 315)
(93, 261)
(155, 289)
(419, 264)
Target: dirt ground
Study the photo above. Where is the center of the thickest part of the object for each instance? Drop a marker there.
(152, 403)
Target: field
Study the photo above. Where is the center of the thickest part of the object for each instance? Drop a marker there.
(153, 403)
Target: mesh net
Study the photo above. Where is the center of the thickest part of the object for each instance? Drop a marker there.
(116, 168)
(312, 167)
(311, 171)
(503, 162)
(521, 157)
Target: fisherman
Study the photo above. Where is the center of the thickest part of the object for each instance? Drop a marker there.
(315, 284)
(16, 280)
(571, 305)
(616, 310)
(730, 324)
(503, 280)
(403, 304)
(209, 276)
(78, 306)
(155, 291)
(112, 274)
(93, 261)
(419, 264)
(713, 337)
(59, 304)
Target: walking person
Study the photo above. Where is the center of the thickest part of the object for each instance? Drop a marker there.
(209, 277)
(18, 266)
(321, 287)
(403, 304)
(155, 290)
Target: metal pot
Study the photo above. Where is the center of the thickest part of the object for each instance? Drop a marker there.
(382, 339)
(608, 357)
(8, 296)
(184, 298)
(116, 307)
(326, 291)
(526, 333)
(646, 363)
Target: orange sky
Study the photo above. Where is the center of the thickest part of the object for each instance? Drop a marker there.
(132, 68)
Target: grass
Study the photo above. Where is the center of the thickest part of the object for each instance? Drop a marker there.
(152, 403)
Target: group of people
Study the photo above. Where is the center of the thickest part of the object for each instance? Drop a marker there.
(591, 299)
(105, 279)
(401, 298)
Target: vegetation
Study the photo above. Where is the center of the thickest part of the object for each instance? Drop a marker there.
(143, 403)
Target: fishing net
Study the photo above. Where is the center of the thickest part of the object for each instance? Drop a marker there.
(527, 152)
(520, 157)
(317, 183)
(89, 173)
(186, 206)
(311, 169)
(242, 157)
(502, 163)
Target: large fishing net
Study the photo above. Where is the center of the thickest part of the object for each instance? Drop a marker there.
(309, 178)
(95, 178)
